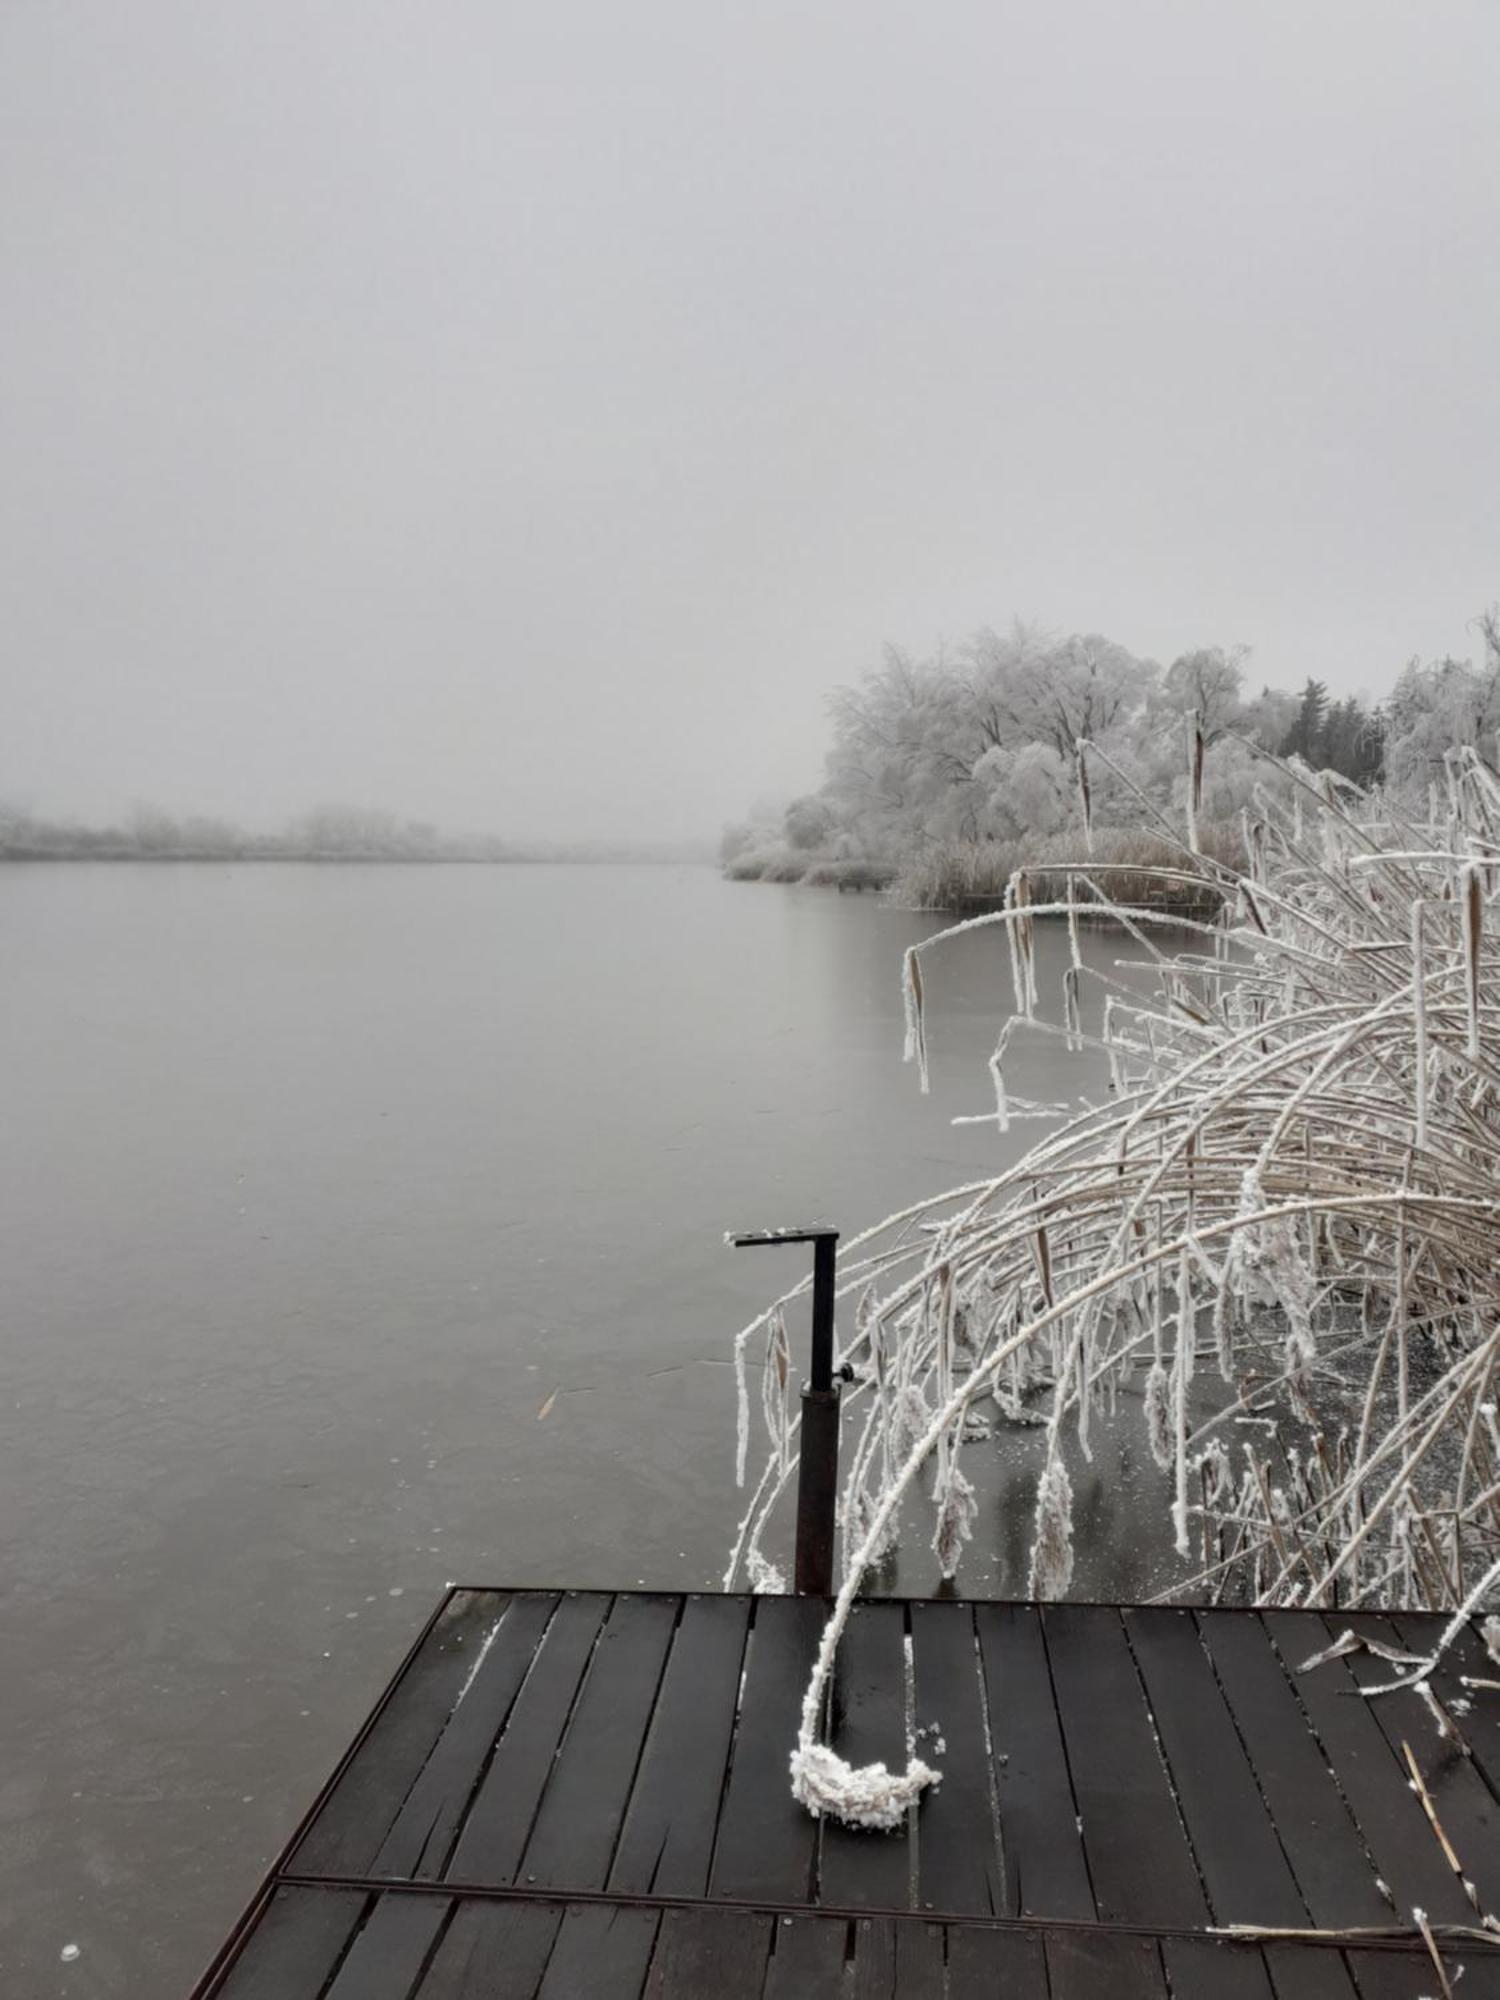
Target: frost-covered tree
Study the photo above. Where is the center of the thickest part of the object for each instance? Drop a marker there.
(1207, 683)
(1029, 790)
(16, 827)
(1352, 741)
(1304, 738)
(900, 753)
(1439, 706)
(1030, 688)
(953, 757)
(808, 823)
(343, 829)
(205, 834)
(1267, 719)
(154, 831)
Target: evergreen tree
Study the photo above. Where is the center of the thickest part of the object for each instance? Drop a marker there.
(1304, 738)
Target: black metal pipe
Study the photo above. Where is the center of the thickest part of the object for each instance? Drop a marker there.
(818, 1466)
(817, 1492)
(824, 1252)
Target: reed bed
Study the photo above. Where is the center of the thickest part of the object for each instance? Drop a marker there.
(956, 874)
(778, 863)
(1292, 1182)
(858, 875)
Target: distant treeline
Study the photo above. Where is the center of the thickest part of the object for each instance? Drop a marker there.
(330, 833)
(958, 767)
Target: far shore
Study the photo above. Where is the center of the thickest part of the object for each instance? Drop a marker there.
(348, 857)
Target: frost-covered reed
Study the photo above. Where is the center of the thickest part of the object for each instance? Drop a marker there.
(1294, 1181)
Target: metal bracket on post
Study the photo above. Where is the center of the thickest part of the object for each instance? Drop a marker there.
(818, 1467)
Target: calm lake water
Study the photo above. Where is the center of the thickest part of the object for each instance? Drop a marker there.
(316, 1186)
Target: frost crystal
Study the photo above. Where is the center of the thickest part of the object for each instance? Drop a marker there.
(1052, 1551)
(1159, 1415)
(911, 1418)
(869, 1796)
(957, 1513)
(765, 1578)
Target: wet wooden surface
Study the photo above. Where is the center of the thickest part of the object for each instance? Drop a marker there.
(581, 1793)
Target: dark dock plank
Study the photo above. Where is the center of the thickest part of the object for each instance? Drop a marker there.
(420, 1944)
(493, 1951)
(1464, 1803)
(1103, 1965)
(1211, 1969)
(578, 1824)
(766, 1846)
(809, 1958)
(858, 1869)
(721, 1954)
(959, 1865)
(348, 1832)
(1389, 1975)
(1467, 1655)
(1334, 1872)
(600, 1954)
(1139, 1860)
(1303, 1972)
(388, 1957)
(499, 1822)
(999, 1965)
(668, 1836)
(899, 1960)
(1232, 1836)
(426, 1826)
(1046, 1873)
(1369, 1774)
(584, 1796)
(296, 1945)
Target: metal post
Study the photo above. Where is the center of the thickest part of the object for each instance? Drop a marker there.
(825, 1248)
(818, 1466)
(817, 1491)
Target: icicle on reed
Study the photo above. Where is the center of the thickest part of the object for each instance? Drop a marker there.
(1052, 1545)
(1195, 778)
(916, 1026)
(1085, 797)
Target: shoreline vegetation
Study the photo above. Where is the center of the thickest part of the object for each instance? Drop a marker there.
(970, 877)
(1046, 754)
(1291, 1181)
(1290, 1186)
(329, 834)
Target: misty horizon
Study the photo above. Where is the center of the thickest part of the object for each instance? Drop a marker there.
(525, 421)
(521, 842)
(332, 830)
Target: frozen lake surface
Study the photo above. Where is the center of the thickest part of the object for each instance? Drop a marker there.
(318, 1186)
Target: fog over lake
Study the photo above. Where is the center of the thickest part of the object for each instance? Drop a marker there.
(474, 436)
(319, 1186)
(521, 418)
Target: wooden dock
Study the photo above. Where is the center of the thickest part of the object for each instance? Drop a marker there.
(581, 1796)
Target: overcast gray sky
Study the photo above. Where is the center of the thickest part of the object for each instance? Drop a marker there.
(521, 416)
